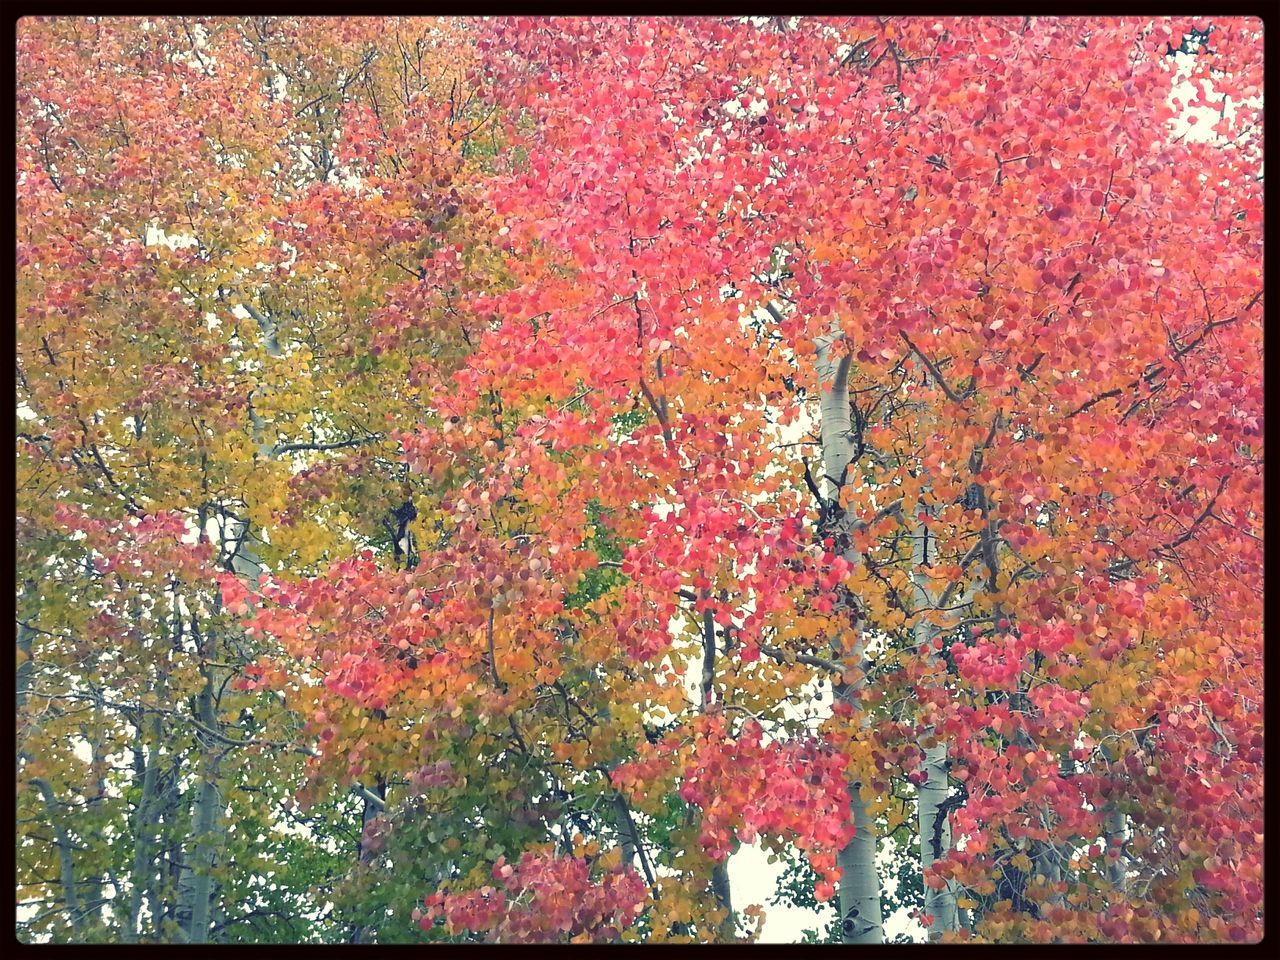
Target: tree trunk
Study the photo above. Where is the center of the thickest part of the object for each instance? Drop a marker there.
(720, 871)
(206, 832)
(861, 921)
(724, 899)
(626, 831)
(166, 876)
(25, 671)
(66, 856)
(95, 881)
(1114, 832)
(143, 834)
(25, 665)
(934, 826)
(372, 807)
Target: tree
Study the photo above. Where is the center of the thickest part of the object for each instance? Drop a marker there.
(188, 369)
(650, 437)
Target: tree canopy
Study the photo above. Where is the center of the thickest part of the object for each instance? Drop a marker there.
(475, 477)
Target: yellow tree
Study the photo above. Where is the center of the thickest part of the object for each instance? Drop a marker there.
(212, 272)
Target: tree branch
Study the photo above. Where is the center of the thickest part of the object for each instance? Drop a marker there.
(368, 796)
(283, 448)
(659, 411)
(1190, 531)
(933, 370)
(782, 656)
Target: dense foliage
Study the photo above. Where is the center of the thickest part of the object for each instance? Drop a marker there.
(474, 477)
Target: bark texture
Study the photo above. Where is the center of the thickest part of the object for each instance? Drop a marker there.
(860, 915)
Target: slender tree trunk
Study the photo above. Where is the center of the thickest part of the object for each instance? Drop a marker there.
(167, 879)
(218, 922)
(361, 933)
(861, 920)
(860, 882)
(96, 880)
(25, 665)
(1048, 864)
(143, 833)
(720, 871)
(206, 832)
(720, 887)
(196, 876)
(201, 882)
(626, 831)
(207, 829)
(1049, 860)
(935, 836)
(62, 840)
(632, 843)
(271, 343)
(933, 823)
(25, 672)
(66, 856)
(1114, 832)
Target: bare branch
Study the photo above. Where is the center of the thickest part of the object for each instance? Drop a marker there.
(933, 370)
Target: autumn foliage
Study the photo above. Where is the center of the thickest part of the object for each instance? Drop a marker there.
(476, 477)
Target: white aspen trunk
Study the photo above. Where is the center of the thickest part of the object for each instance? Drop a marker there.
(196, 882)
(66, 856)
(861, 920)
(1048, 864)
(1114, 832)
(860, 915)
(374, 802)
(218, 922)
(26, 666)
(206, 833)
(271, 344)
(934, 826)
(720, 888)
(25, 673)
(165, 883)
(1049, 860)
(143, 833)
(95, 882)
(626, 831)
